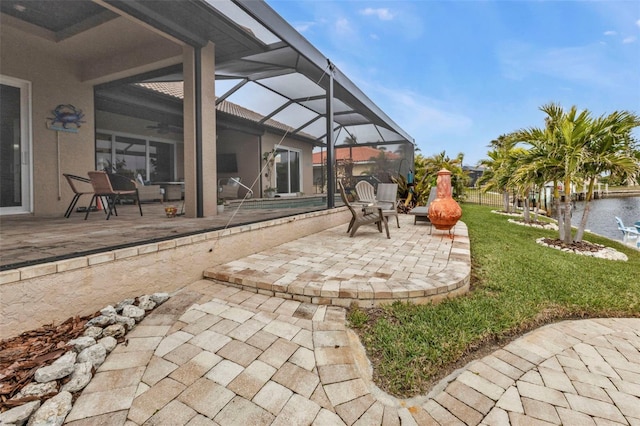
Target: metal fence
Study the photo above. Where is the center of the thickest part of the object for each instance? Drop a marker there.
(475, 196)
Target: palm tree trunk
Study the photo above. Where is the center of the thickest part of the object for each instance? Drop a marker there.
(505, 199)
(559, 213)
(525, 210)
(567, 211)
(585, 213)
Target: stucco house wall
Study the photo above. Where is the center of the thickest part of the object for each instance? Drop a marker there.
(54, 81)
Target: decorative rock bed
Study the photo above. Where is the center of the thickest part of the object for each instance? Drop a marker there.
(541, 225)
(585, 248)
(85, 355)
(506, 214)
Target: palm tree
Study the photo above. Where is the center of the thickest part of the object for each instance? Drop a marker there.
(435, 163)
(573, 147)
(608, 150)
(498, 168)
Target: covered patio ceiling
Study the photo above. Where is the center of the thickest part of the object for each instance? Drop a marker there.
(262, 62)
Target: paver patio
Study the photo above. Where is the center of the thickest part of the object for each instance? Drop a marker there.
(234, 358)
(241, 354)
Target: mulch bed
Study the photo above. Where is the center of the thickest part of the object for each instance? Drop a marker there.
(22, 356)
(583, 246)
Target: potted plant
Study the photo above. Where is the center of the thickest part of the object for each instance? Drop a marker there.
(220, 205)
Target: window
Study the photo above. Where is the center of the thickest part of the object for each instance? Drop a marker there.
(287, 171)
(131, 155)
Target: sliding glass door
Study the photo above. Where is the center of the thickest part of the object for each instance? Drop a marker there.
(15, 146)
(287, 171)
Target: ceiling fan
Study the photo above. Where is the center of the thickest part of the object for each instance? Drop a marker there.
(164, 128)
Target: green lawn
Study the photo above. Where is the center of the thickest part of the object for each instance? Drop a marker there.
(517, 285)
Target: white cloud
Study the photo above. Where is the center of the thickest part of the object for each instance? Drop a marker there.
(304, 26)
(610, 33)
(342, 26)
(582, 64)
(382, 13)
(374, 36)
(629, 40)
(422, 117)
(638, 22)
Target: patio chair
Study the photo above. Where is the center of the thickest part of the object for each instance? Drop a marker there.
(627, 231)
(387, 198)
(358, 218)
(421, 213)
(365, 192)
(103, 187)
(80, 186)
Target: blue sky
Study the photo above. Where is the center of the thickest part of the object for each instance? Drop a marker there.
(457, 74)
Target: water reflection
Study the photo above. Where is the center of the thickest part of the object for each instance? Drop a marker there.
(602, 214)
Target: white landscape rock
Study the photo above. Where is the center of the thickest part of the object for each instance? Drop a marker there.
(114, 330)
(62, 367)
(133, 312)
(19, 415)
(145, 302)
(602, 252)
(80, 378)
(79, 365)
(95, 354)
(93, 331)
(127, 321)
(124, 303)
(100, 321)
(108, 342)
(108, 311)
(37, 389)
(159, 298)
(53, 411)
(81, 343)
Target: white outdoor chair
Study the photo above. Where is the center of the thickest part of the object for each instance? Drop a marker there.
(627, 231)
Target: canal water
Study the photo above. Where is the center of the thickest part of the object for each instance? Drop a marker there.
(602, 215)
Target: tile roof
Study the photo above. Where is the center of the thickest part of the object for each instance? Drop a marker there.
(359, 154)
(175, 90)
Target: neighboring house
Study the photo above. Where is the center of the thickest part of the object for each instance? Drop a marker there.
(362, 157)
(474, 173)
(69, 102)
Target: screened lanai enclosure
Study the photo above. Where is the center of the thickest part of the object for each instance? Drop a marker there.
(198, 97)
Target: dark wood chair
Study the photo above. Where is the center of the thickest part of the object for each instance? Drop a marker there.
(359, 218)
(102, 187)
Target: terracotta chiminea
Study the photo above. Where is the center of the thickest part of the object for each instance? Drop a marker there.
(444, 212)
